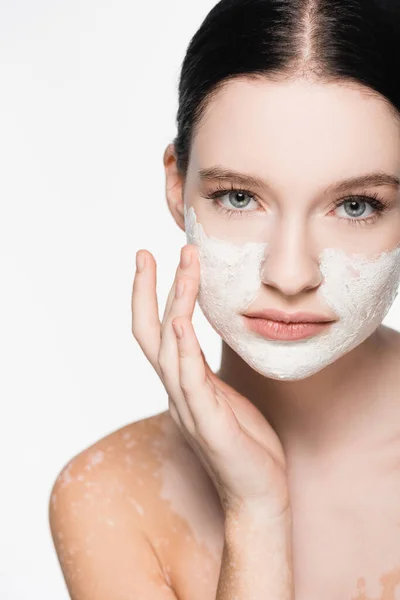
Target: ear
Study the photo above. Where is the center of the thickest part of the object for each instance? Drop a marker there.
(174, 186)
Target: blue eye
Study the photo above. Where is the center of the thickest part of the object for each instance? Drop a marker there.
(374, 201)
(231, 198)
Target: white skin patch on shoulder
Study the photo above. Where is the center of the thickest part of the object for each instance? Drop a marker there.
(130, 444)
(94, 459)
(91, 483)
(129, 462)
(65, 476)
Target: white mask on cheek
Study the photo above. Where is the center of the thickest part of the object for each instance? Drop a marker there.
(359, 292)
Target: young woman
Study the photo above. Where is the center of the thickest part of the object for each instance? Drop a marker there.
(277, 477)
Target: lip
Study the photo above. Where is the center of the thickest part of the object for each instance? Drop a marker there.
(288, 318)
(275, 330)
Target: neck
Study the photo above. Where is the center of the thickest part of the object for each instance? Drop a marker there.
(351, 402)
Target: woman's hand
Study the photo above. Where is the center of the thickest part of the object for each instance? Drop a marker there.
(236, 445)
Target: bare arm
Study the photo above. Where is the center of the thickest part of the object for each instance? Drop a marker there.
(101, 543)
(257, 558)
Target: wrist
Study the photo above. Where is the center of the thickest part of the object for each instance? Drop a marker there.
(254, 519)
(258, 553)
(256, 511)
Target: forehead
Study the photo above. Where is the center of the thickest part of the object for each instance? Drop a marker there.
(296, 130)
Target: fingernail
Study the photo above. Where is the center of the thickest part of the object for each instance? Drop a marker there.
(140, 262)
(186, 259)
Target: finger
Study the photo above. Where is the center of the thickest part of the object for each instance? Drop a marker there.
(190, 270)
(174, 413)
(194, 383)
(146, 326)
(216, 424)
(185, 431)
(170, 298)
(168, 356)
(209, 372)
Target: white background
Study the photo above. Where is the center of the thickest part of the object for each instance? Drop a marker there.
(88, 100)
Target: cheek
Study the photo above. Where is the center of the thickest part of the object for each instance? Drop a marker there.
(355, 286)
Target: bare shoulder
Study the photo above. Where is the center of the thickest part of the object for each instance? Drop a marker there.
(117, 468)
(142, 477)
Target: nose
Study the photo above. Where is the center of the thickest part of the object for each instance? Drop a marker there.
(290, 264)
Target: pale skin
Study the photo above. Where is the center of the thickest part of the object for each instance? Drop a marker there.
(281, 134)
(340, 425)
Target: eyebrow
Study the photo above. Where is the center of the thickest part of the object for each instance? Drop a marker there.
(218, 173)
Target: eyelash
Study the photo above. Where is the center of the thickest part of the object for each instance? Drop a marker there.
(374, 199)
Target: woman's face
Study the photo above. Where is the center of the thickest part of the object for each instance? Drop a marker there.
(300, 238)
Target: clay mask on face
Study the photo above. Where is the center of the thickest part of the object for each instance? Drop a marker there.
(359, 290)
